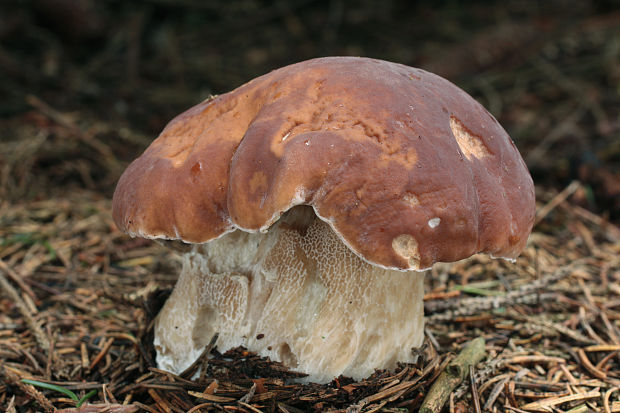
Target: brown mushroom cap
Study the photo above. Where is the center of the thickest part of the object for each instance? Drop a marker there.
(406, 167)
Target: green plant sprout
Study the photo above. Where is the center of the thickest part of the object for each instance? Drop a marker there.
(67, 392)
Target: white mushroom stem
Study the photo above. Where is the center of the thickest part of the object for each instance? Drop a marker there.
(297, 295)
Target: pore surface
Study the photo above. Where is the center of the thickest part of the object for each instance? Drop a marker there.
(296, 294)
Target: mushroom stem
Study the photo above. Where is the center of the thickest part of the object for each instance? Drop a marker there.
(295, 294)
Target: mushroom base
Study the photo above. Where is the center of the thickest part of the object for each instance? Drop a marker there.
(295, 294)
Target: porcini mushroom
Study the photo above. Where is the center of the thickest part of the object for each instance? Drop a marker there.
(312, 200)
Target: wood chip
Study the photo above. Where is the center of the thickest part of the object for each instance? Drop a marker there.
(211, 397)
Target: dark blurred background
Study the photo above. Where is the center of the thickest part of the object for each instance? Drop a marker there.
(85, 85)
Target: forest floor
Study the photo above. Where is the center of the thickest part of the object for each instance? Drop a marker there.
(79, 297)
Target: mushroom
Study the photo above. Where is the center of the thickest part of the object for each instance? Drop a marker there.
(312, 200)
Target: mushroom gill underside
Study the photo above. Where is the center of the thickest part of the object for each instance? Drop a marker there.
(296, 294)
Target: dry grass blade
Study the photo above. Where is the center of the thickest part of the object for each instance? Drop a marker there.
(101, 408)
(26, 312)
(250, 407)
(546, 404)
(474, 389)
(388, 392)
(585, 361)
(202, 360)
(211, 397)
(557, 200)
(18, 280)
(102, 353)
(497, 389)
(11, 407)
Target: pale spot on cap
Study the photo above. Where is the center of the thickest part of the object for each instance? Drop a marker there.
(434, 222)
(471, 145)
(412, 199)
(407, 247)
